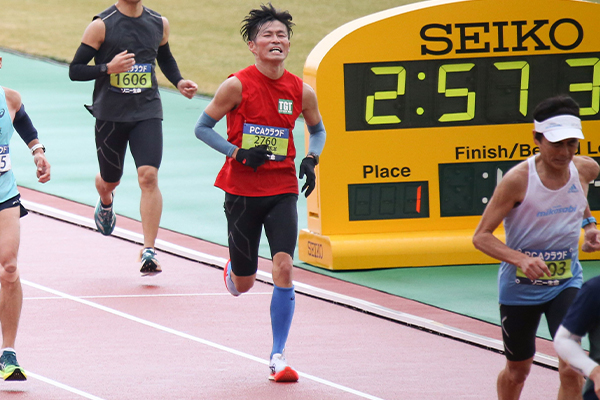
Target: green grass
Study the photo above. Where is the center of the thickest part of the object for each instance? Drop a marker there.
(204, 37)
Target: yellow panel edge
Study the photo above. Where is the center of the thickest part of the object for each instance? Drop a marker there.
(408, 249)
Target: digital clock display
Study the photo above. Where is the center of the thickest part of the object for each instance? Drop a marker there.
(388, 201)
(477, 91)
(466, 188)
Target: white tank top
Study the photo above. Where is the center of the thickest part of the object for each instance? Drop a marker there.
(546, 224)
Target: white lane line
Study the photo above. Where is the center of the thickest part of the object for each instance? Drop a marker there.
(62, 386)
(376, 309)
(120, 232)
(189, 337)
(125, 296)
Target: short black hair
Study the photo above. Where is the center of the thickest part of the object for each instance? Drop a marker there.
(257, 17)
(553, 106)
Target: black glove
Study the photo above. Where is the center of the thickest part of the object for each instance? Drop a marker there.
(254, 157)
(307, 167)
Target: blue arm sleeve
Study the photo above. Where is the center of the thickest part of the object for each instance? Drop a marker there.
(24, 127)
(316, 140)
(205, 132)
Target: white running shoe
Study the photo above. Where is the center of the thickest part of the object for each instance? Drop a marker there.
(228, 282)
(280, 371)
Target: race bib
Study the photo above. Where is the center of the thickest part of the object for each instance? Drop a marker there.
(558, 262)
(276, 139)
(136, 80)
(5, 164)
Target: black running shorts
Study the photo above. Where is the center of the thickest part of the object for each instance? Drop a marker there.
(520, 323)
(246, 217)
(145, 142)
(14, 202)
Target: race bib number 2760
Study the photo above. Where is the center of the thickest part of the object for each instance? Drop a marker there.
(276, 139)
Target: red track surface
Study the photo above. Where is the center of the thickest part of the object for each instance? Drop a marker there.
(90, 323)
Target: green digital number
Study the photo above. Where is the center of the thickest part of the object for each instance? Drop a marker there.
(593, 86)
(385, 95)
(456, 92)
(524, 67)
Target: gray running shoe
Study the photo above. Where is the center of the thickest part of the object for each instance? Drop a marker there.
(150, 265)
(105, 218)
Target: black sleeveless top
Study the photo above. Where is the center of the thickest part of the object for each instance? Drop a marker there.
(130, 96)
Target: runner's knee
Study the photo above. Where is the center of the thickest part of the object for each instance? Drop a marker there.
(284, 264)
(243, 283)
(147, 177)
(282, 269)
(569, 377)
(517, 373)
(9, 273)
(105, 186)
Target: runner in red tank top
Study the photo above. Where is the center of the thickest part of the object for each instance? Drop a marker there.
(262, 103)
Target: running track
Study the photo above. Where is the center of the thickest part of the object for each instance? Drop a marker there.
(92, 328)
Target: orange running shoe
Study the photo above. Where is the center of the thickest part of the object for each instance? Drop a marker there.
(280, 371)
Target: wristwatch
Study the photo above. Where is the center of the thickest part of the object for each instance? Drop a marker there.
(315, 156)
(37, 146)
(104, 68)
(587, 221)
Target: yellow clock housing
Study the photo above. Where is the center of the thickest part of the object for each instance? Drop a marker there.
(426, 106)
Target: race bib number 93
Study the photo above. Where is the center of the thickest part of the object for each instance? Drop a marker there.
(558, 262)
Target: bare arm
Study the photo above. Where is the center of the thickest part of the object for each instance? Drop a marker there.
(509, 193)
(13, 101)
(588, 170)
(166, 31)
(314, 122)
(93, 35)
(310, 108)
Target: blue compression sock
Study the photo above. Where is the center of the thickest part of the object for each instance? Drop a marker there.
(283, 304)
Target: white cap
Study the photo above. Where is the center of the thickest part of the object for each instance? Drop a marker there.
(560, 128)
